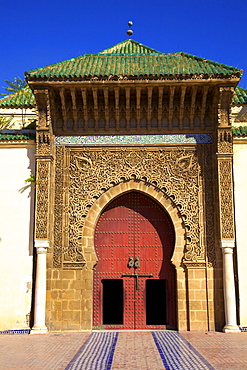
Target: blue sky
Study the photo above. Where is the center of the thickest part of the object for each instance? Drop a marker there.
(37, 33)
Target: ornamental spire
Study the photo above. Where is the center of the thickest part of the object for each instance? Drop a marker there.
(129, 31)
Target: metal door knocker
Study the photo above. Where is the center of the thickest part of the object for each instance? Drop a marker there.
(137, 263)
(131, 262)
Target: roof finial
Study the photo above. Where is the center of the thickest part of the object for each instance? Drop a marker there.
(130, 32)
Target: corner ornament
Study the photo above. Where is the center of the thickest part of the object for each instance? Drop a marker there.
(83, 164)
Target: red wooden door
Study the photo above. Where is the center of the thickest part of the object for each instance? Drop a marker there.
(134, 281)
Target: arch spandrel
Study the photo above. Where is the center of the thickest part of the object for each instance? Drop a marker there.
(93, 176)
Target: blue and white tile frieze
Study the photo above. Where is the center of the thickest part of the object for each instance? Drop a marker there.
(134, 139)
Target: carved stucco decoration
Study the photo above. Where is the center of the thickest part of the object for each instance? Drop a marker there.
(89, 172)
(58, 209)
(225, 98)
(42, 205)
(43, 108)
(209, 205)
(225, 141)
(43, 143)
(44, 160)
(226, 199)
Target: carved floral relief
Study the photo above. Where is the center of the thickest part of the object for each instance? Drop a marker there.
(89, 172)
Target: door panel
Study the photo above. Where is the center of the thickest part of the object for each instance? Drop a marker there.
(112, 289)
(135, 228)
(156, 302)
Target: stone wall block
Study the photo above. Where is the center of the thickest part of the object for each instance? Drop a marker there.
(87, 231)
(74, 305)
(195, 284)
(54, 294)
(181, 305)
(76, 317)
(67, 315)
(55, 274)
(201, 316)
(58, 306)
(199, 274)
(86, 325)
(89, 284)
(195, 305)
(77, 284)
(68, 295)
(86, 294)
(92, 216)
(88, 305)
(87, 274)
(183, 325)
(48, 296)
(65, 284)
(65, 305)
(67, 274)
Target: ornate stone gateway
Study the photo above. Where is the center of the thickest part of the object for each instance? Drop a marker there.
(129, 121)
(134, 281)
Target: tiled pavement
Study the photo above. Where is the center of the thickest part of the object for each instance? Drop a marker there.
(125, 351)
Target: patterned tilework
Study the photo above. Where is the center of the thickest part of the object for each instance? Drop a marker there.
(243, 328)
(96, 353)
(134, 139)
(17, 331)
(178, 353)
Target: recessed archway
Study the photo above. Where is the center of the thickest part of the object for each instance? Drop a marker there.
(134, 280)
(164, 201)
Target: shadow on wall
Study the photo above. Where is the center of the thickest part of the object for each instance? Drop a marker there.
(31, 188)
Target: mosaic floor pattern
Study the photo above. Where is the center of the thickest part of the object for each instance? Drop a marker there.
(177, 353)
(138, 351)
(96, 353)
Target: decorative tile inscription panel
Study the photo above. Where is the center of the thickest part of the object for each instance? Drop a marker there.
(134, 139)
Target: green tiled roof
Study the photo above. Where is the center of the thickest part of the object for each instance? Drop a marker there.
(129, 47)
(239, 131)
(23, 98)
(239, 96)
(16, 137)
(131, 58)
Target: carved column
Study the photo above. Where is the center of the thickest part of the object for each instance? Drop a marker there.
(229, 286)
(40, 288)
(43, 209)
(226, 209)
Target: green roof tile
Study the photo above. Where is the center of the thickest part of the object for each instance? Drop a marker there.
(129, 47)
(239, 131)
(239, 96)
(131, 58)
(16, 137)
(23, 98)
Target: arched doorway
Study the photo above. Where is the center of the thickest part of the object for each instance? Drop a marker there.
(134, 280)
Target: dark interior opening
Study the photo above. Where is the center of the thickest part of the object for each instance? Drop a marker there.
(112, 301)
(155, 302)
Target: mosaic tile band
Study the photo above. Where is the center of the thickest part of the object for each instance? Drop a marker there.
(134, 139)
(17, 331)
(96, 353)
(177, 353)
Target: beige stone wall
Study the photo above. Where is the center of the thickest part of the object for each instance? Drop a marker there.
(200, 298)
(16, 235)
(69, 300)
(240, 194)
